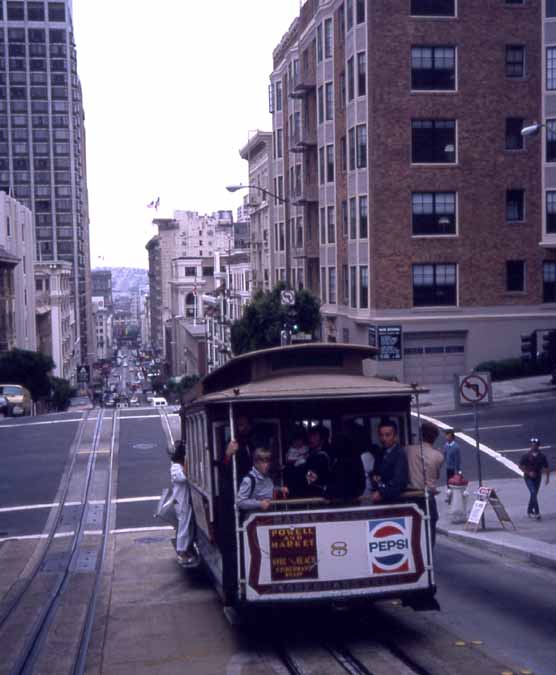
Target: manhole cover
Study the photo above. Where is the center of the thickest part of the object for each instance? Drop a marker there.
(150, 540)
(144, 446)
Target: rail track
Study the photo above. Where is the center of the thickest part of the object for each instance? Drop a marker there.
(47, 617)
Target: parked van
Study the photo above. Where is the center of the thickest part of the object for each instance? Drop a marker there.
(18, 397)
(159, 402)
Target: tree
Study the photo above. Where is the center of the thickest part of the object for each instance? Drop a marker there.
(265, 317)
(62, 391)
(29, 369)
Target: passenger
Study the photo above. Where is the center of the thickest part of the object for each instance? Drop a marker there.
(390, 473)
(316, 470)
(433, 460)
(257, 489)
(242, 446)
(185, 536)
(347, 477)
(298, 450)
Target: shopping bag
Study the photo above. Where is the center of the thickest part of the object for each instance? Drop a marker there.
(166, 510)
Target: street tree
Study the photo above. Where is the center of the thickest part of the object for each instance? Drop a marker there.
(265, 317)
(29, 369)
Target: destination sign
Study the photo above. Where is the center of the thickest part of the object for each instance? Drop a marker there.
(293, 553)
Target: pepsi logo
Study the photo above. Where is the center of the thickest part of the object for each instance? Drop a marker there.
(389, 545)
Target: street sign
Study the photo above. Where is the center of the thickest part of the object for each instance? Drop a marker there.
(474, 389)
(389, 343)
(487, 496)
(83, 373)
(287, 298)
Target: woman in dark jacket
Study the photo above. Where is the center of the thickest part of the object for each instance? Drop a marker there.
(347, 476)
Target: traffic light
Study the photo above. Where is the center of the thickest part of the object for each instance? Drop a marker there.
(549, 346)
(529, 347)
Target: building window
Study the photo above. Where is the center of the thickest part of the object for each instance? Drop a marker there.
(515, 206)
(515, 276)
(361, 137)
(434, 284)
(551, 140)
(35, 11)
(349, 14)
(515, 61)
(329, 163)
(56, 11)
(16, 11)
(363, 218)
(282, 237)
(361, 74)
(433, 213)
(345, 285)
(328, 39)
(433, 7)
(353, 286)
(342, 90)
(323, 284)
(350, 80)
(551, 212)
(433, 68)
(345, 219)
(353, 218)
(433, 141)
(320, 95)
(549, 281)
(342, 23)
(329, 101)
(331, 225)
(278, 96)
(279, 143)
(319, 43)
(322, 225)
(514, 139)
(360, 11)
(551, 68)
(322, 174)
(363, 286)
(343, 154)
(351, 154)
(332, 285)
(550, 9)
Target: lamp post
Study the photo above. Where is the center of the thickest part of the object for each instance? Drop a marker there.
(532, 129)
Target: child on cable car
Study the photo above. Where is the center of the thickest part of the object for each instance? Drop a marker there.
(257, 488)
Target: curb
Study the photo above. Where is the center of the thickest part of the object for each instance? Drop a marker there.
(531, 391)
(516, 552)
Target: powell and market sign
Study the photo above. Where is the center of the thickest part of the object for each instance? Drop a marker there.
(388, 341)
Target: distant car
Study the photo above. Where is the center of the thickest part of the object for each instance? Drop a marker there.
(80, 404)
(134, 400)
(18, 397)
(4, 406)
(554, 376)
(159, 402)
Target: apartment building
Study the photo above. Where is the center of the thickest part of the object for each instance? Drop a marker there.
(101, 286)
(17, 238)
(258, 154)
(42, 139)
(412, 204)
(57, 324)
(204, 234)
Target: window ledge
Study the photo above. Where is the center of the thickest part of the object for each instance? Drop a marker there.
(434, 91)
(513, 294)
(436, 308)
(436, 164)
(435, 236)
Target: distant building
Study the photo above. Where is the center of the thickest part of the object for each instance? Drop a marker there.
(57, 325)
(102, 287)
(103, 323)
(17, 238)
(8, 263)
(203, 235)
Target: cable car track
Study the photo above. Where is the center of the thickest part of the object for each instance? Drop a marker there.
(69, 564)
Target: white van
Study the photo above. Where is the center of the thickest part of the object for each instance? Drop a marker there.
(159, 402)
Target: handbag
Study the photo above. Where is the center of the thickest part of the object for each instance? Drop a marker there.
(166, 510)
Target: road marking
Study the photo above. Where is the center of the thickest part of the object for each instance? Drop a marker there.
(43, 535)
(499, 426)
(542, 447)
(512, 466)
(459, 415)
(141, 529)
(96, 502)
(37, 424)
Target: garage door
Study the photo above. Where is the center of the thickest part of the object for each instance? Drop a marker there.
(433, 359)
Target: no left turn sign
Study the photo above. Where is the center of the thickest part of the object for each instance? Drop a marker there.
(474, 388)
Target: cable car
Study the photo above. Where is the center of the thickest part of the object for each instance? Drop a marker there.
(312, 549)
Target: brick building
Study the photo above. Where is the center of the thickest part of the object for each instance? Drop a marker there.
(414, 205)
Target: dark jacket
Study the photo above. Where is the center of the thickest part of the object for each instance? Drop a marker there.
(347, 479)
(391, 473)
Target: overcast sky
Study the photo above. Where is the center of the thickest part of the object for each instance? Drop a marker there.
(171, 90)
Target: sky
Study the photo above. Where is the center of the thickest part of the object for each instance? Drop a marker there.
(171, 90)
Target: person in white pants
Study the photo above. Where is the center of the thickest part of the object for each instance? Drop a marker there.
(186, 523)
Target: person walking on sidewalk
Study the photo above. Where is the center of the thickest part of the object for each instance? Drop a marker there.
(452, 457)
(534, 464)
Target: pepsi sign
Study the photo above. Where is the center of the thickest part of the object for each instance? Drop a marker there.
(390, 545)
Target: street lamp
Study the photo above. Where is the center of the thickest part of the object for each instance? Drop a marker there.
(235, 188)
(532, 129)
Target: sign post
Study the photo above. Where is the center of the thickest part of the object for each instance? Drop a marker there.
(486, 496)
(473, 389)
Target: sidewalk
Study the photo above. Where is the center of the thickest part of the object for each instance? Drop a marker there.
(441, 396)
(532, 540)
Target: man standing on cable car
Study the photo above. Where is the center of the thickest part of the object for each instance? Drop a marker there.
(390, 472)
(242, 447)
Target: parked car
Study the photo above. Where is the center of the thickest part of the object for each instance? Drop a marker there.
(80, 404)
(18, 397)
(4, 406)
(159, 402)
(554, 376)
(134, 401)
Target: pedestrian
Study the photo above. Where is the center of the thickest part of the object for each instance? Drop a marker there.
(185, 536)
(390, 472)
(534, 464)
(431, 460)
(452, 457)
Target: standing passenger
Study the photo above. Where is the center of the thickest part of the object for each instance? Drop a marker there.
(432, 460)
(390, 473)
(241, 446)
(185, 536)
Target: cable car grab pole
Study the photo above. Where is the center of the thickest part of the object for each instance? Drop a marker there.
(236, 510)
(422, 453)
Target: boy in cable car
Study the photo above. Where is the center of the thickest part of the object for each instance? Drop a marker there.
(257, 488)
